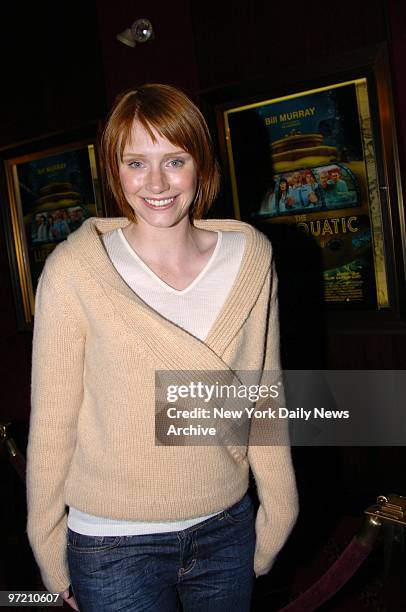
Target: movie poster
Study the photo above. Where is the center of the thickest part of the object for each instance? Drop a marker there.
(55, 194)
(308, 160)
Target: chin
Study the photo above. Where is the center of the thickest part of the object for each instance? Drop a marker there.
(160, 223)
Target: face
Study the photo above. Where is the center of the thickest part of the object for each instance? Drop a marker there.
(159, 179)
(297, 179)
(282, 186)
(335, 176)
(323, 179)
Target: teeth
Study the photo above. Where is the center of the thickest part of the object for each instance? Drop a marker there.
(159, 202)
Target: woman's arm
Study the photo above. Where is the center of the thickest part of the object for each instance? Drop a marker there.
(56, 396)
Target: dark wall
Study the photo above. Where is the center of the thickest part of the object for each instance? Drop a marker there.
(52, 82)
(51, 68)
(168, 58)
(251, 39)
(396, 18)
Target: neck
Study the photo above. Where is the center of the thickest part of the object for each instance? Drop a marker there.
(164, 243)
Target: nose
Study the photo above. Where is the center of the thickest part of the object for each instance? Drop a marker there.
(157, 180)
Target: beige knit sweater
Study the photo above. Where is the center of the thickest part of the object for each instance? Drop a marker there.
(92, 437)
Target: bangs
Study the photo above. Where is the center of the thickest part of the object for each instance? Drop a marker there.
(176, 131)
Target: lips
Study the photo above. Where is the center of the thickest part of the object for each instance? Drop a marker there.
(159, 203)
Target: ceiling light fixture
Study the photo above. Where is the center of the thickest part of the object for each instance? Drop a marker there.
(140, 31)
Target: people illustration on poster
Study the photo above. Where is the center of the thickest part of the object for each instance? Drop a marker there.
(311, 189)
(56, 225)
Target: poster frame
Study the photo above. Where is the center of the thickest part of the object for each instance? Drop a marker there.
(15, 228)
(371, 64)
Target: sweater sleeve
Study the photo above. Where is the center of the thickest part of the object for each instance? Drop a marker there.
(56, 395)
(271, 465)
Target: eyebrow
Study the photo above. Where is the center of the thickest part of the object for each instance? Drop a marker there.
(174, 154)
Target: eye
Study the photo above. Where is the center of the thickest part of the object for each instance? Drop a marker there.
(176, 163)
(135, 164)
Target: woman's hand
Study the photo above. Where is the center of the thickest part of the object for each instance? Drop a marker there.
(68, 597)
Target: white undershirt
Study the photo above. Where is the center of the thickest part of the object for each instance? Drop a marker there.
(195, 309)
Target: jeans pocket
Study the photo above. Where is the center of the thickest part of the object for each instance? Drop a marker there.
(78, 542)
(240, 512)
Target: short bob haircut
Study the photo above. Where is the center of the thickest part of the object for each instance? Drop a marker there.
(174, 116)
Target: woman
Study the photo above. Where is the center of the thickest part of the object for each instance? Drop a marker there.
(62, 223)
(53, 231)
(283, 200)
(309, 188)
(42, 229)
(157, 289)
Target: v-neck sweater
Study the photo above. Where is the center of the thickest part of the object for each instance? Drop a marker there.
(96, 349)
(195, 309)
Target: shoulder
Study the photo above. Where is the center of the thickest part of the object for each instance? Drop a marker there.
(63, 264)
(82, 246)
(58, 262)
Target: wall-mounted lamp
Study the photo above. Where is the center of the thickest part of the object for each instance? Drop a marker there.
(139, 32)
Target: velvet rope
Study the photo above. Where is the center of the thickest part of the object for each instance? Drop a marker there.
(332, 581)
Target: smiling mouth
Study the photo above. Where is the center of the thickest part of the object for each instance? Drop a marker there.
(159, 203)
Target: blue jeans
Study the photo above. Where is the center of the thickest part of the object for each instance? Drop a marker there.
(205, 568)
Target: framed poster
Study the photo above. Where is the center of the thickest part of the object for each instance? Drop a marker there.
(323, 160)
(323, 178)
(51, 191)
